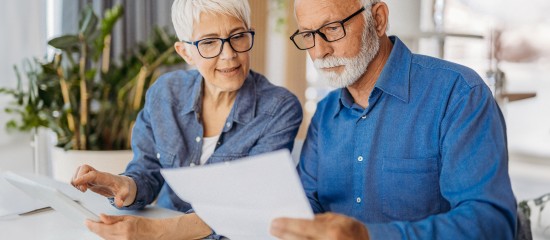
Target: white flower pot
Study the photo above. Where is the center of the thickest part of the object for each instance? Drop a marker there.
(65, 163)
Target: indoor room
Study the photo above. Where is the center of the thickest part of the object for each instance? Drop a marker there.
(418, 119)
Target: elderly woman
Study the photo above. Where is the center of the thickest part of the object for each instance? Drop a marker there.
(220, 112)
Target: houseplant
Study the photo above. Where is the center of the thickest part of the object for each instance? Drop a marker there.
(89, 100)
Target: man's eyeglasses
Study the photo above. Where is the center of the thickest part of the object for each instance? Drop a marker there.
(213, 47)
(330, 32)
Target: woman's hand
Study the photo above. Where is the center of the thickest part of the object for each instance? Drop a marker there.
(188, 226)
(122, 188)
(126, 227)
(324, 226)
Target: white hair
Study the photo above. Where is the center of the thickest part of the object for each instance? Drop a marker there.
(367, 13)
(185, 13)
(365, 3)
(369, 2)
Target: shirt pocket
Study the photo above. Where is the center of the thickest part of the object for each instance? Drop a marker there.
(410, 188)
(165, 157)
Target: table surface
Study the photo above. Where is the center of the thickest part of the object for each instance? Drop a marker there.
(49, 224)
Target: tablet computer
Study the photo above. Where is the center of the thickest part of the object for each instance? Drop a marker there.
(53, 197)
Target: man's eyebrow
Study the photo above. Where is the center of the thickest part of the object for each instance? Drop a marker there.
(307, 29)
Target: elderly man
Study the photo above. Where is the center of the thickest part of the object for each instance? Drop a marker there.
(408, 147)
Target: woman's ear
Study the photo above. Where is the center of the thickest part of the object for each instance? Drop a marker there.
(183, 51)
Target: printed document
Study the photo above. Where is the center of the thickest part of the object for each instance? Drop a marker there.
(239, 199)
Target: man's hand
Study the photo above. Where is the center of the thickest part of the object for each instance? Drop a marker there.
(324, 226)
(188, 226)
(122, 188)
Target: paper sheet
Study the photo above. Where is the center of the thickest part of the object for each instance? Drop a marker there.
(239, 199)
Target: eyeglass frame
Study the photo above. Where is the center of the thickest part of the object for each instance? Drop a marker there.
(322, 35)
(227, 39)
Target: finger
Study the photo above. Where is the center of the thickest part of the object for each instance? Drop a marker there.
(121, 196)
(89, 179)
(82, 170)
(110, 219)
(105, 231)
(98, 228)
(75, 175)
(291, 228)
(119, 202)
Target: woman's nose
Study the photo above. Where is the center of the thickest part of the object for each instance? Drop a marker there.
(227, 51)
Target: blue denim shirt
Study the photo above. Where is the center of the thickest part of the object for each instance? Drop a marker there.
(168, 132)
(427, 159)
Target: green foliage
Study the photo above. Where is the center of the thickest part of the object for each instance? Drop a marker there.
(87, 99)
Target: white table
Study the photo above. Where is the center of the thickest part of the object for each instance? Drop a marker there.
(50, 224)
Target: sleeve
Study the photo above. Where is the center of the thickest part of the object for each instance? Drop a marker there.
(280, 132)
(145, 167)
(474, 176)
(307, 167)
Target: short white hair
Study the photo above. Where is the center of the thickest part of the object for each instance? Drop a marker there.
(367, 3)
(185, 13)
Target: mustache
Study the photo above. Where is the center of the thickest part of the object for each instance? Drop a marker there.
(330, 62)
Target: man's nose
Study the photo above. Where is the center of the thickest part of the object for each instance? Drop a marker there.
(322, 48)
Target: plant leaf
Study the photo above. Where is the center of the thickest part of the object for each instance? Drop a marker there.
(88, 22)
(64, 42)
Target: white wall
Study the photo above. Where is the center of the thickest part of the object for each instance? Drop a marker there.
(23, 28)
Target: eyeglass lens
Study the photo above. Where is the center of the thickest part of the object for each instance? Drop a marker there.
(212, 47)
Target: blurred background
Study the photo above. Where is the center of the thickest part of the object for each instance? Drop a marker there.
(507, 42)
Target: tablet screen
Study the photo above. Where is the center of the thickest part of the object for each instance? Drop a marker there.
(53, 197)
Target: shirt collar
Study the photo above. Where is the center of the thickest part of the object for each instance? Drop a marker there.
(244, 108)
(394, 78)
(196, 94)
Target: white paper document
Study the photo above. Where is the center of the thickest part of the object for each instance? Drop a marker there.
(239, 199)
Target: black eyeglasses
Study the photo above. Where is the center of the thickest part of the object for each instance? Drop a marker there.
(330, 32)
(213, 47)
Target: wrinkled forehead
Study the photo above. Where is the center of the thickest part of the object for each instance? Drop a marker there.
(311, 14)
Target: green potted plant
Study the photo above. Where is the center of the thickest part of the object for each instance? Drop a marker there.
(88, 100)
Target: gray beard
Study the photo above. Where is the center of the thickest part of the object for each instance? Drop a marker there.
(354, 67)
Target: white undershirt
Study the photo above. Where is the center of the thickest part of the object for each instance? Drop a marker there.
(208, 147)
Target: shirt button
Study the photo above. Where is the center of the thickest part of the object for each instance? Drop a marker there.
(228, 124)
(158, 155)
(364, 116)
(358, 200)
(192, 164)
(198, 139)
(360, 158)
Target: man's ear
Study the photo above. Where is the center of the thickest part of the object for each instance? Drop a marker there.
(183, 51)
(380, 13)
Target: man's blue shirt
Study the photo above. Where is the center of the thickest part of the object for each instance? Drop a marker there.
(427, 159)
(168, 132)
